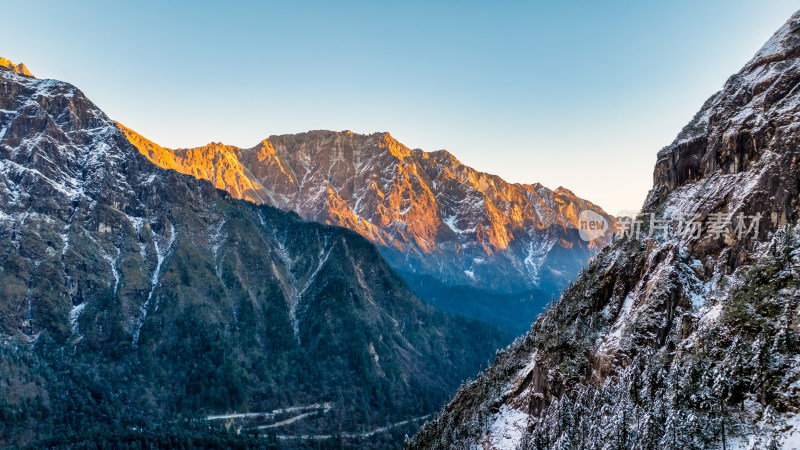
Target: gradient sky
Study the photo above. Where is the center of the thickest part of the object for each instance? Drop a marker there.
(566, 93)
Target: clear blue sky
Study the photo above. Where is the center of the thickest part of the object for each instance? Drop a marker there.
(572, 93)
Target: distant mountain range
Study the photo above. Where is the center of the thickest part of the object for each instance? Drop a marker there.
(465, 240)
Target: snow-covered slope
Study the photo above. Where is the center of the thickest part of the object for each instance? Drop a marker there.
(680, 338)
(132, 295)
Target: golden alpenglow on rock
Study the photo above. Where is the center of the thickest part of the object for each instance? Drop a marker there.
(510, 247)
(16, 68)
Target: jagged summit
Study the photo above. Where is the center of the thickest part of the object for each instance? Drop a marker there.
(325, 133)
(431, 215)
(16, 68)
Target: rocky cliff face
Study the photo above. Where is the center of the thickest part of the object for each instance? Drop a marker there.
(135, 296)
(686, 337)
(438, 222)
(16, 68)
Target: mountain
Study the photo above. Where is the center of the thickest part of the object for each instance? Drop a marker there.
(507, 249)
(689, 338)
(135, 298)
(16, 68)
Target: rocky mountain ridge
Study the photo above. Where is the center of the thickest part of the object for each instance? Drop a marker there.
(16, 68)
(433, 218)
(686, 335)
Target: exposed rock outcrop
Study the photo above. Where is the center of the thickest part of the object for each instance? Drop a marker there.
(16, 68)
(437, 221)
(686, 337)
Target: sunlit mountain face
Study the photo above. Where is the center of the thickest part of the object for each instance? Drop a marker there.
(335, 290)
(465, 240)
(16, 68)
